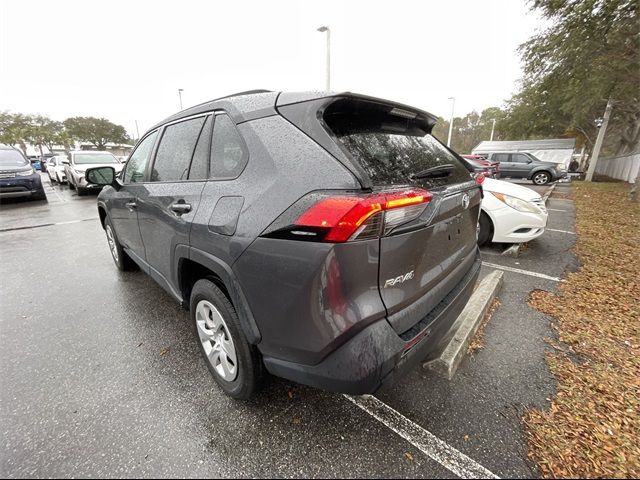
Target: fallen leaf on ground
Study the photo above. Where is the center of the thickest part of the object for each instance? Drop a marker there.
(591, 427)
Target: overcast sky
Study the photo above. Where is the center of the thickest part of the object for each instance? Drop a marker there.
(125, 60)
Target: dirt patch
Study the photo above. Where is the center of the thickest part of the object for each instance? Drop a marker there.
(592, 427)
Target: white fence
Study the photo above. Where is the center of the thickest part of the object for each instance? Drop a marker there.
(622, 168)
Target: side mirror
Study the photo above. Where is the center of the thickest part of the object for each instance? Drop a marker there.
(102, 176)
(529, 161)
(65, 162)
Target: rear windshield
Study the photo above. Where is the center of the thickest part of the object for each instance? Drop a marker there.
(12, 158)
(391, 146)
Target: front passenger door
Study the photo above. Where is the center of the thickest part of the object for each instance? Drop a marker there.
(124, 204)
(521, 165)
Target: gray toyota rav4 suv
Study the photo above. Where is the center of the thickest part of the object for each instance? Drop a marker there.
(327, 238)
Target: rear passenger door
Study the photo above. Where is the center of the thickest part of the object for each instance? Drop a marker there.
(506, 168)
(215, 225)
(172, 195)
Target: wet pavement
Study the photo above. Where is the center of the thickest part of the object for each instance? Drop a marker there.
(101, 375)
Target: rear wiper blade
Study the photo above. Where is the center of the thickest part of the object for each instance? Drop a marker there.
(435, 172)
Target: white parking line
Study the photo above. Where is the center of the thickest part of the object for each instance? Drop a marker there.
(28, 227)
(443, 453)
(561, 231)
(523, 272)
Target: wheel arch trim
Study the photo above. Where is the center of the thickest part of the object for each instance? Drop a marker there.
(230, 282)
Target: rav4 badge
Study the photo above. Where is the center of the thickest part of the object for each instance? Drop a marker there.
(400, 279)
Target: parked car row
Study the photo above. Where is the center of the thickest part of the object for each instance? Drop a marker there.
(71, 168)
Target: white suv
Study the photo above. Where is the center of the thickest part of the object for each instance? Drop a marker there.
(80, 160)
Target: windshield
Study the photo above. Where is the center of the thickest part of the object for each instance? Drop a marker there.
(92, 158)
(12, 158)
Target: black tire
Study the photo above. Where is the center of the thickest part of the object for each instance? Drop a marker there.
(123, 261)
(81, 191)
(541, 178)
(71, 185)
(40, 195)
(486, 229)
(52, 179)
(249, 364)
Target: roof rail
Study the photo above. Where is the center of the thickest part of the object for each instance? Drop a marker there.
(248, 92)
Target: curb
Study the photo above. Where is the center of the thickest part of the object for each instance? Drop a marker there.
(545, 197)
(469, 321)
(513, 250)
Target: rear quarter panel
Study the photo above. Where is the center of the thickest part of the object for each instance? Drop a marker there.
(284, 164)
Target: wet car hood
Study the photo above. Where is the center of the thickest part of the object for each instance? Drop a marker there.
(84, 167)
(518, 191)
(15, 168)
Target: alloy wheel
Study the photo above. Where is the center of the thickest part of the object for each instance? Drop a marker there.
(216, 341)
(540, 178)
(112, 243)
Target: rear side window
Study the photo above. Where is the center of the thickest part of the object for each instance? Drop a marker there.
(392, 145)
(500, 157)
(199, 164)
(175, 150)
(229, 154)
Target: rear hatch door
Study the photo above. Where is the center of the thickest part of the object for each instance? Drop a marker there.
(422, 260)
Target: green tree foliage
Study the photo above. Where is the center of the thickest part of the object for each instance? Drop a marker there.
(590, 52)
(15, 129)
(43, 131)
(97, 131)
(470, 130)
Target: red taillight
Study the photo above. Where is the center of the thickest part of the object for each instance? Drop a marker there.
(480, 177)
(345, 216)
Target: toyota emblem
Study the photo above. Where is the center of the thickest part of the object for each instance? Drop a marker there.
(465, 201)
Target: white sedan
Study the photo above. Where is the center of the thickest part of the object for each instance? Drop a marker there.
(55, 169)
(510, 213)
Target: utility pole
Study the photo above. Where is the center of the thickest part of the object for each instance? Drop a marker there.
(328, 61)
(180, 90)
(596, 149)
(493, 127)
(453, 106)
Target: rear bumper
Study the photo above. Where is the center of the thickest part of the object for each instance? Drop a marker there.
(377, 355)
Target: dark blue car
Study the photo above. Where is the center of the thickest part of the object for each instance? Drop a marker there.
(17, 177)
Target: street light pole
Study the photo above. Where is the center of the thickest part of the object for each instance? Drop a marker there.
(493, 127)
(596, 149)
(453, 106)
(328, 65)
(180, 90)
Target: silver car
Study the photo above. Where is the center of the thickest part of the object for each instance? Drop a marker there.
(80, 160)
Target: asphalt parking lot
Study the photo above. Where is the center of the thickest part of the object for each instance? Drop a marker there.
(101, 375)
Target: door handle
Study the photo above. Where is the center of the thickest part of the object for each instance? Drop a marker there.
(180, 208)
(131, 205)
